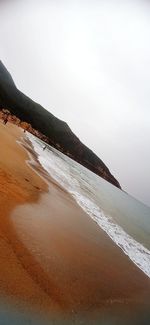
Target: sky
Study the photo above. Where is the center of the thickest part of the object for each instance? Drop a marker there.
(88, 62)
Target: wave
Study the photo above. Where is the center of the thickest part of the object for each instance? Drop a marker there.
(69, 178)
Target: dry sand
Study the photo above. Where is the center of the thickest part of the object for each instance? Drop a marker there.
(53, 257)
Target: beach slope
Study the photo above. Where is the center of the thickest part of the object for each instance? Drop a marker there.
(53, 257)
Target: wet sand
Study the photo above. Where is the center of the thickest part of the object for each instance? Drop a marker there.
(53, 257)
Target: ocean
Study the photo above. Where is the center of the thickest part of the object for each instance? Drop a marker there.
(125, 220)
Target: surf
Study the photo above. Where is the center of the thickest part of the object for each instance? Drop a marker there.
(63, 170)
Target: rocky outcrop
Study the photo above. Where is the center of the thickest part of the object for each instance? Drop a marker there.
(56, 132)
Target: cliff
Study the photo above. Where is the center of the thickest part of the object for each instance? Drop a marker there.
(57, 132)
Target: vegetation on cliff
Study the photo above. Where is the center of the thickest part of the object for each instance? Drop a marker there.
(54, 131)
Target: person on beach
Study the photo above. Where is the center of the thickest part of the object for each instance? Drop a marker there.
(5, 119)
(44, 148)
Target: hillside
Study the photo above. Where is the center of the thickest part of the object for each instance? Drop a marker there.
(57, 131)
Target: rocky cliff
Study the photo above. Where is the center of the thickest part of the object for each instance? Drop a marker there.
(57, 132)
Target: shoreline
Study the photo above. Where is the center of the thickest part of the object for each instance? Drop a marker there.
(136, 251)
(77, 271)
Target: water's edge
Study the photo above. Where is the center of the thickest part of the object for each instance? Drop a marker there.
(58, 169)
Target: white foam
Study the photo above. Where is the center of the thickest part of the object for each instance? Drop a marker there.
(59, 169)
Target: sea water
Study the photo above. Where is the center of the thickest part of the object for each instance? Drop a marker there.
(125, 220)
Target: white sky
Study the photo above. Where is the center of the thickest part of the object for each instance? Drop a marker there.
(88, 62)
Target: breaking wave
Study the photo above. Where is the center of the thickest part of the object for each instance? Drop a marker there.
(70, 178)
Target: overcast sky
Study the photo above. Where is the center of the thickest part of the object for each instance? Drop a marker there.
(88, 62)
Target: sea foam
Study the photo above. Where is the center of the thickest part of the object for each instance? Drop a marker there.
(58, 167)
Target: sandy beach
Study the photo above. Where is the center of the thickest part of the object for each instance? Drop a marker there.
(53, 257)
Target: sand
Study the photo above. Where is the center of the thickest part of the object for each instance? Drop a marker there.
(53, 257)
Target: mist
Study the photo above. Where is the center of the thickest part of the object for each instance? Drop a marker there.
(88, 62)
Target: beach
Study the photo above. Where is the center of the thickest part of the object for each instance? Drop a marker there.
(54, 258)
